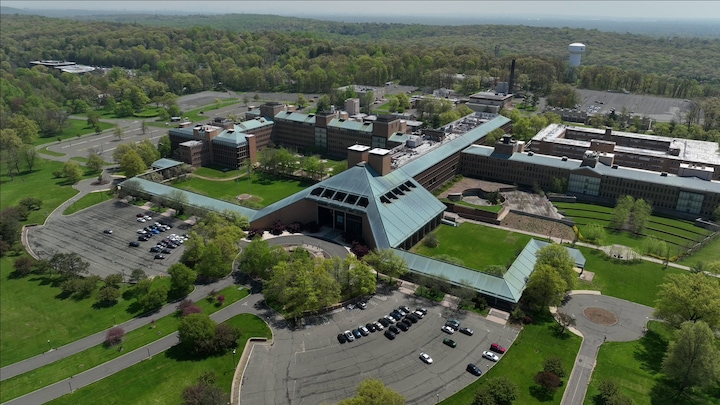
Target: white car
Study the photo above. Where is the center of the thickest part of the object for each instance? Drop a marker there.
(490, 356)
(141, 219)
(349, 336)
(141, 231)
(379, 326)
(447, 330)
(426, 358)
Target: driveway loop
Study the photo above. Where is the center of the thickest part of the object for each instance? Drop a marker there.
(600, 316)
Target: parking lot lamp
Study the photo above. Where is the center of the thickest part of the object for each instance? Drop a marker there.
(234, 357)
(49, 344)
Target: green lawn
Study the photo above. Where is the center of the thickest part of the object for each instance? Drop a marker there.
(524, 359)
(633, 282)
(85, 360)
(635, 366)
(268, 189)
(489, 208)
(476, 245)
(88, 200)
(218, 173)
(75, 128)
(46, 151)
(39, 184)
(708, 253)
(161, 380)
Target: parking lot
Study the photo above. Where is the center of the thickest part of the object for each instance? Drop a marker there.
(663, 109)
(310, 366)
(82, 233)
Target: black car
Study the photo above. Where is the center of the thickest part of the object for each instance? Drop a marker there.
(453, 323)
(406, 322)
(341, 338)
(156, 249)
(473, 369)
(143, 238)
(394, 329)
(384, 322)
(396, 315)
(166, 251)
(388, 334)
(412, 318)
(403, 327)
(357, 334)
(160, 257)
(371, 327)
(135, 244)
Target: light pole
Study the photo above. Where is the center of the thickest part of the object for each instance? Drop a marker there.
(438, 397)
(49, 344)
(234, 357)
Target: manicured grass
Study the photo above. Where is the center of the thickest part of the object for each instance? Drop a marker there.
(33, 312)
(88, 200)
(46, 151)
(268, 189)
(85, 360)
(708, 253)
(161, 380)
(633, 282)
(524, 359)
(75, 128)
(634, 366)
(476, 245)
(218, 173)
(488, 208)
(39, 184)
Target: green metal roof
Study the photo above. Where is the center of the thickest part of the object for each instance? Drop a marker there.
(351, 125)
(508, 288)
(165, 163)
(193, 199)
(249, 125)
(295, 116)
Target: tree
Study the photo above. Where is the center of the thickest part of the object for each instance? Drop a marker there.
(72, 171)
(29, 155)
(621, 213)
(137, 275)
(132, 164)
(563, 95)
(119, 132)
(147, 151)
(114, 279)
(164, 146)
(558, 257)
(301, 101)
(258, 257)
(692, 359)
(205, 392)
(93, 119)
(641, 212)
(211, 265)
(360, 276)
(689, 297)
(154, 298)
(323, 103)
(385, 261)
(565, 320)
(548, 381)
(69, 265)
(594, 233)
(610, 394)
(95, 162)
(554, 365)
(196, 332)
(108, 295)
(182, 278)
(23, 265)
(493, 136)
(31, 203)
(114, 336)
(121, 150)
(500, 390)
(545, 287)
(26, 128)
(373, 392)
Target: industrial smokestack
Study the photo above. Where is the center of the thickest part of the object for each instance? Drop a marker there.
(511, 83)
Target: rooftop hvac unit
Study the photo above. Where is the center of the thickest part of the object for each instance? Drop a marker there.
(530, 154)
(564, 158)
(663, 174)
(614, 166)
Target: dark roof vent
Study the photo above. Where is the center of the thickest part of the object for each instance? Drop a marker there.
(614, 166)
(663, 174)
(530, 153)
(564, 158)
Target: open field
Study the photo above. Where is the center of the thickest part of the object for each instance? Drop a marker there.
(524, 359)
(708, 253)
(88, 200)
(161, 379)
(218, 173)
(476, 245)
(633, 282)
(52, 373)
(75, 129)
(269, 189)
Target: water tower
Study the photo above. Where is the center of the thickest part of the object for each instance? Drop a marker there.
(576, 50)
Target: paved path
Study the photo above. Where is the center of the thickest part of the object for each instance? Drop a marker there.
(631, 323)
(249, 304)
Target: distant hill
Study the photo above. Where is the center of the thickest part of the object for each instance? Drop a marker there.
(654, 28)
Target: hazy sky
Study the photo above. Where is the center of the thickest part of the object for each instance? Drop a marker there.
(675, 10)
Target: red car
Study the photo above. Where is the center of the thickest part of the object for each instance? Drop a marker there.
(497, 348)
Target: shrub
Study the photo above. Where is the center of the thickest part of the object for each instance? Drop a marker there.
(554, 365)
(517, 315)
(220, 300)
(114, 336)
(359, 249)
(255, 233)
(431, 240)
(548, 380)
(187, 307)
(295, 227)
(277, 228)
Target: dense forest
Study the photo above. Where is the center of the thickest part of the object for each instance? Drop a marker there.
(158, 63)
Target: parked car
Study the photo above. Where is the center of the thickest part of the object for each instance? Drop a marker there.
(426, 358)
(166, 251)
(139, 215)
(388, 334)
(390, 319)
(363, 330)
(160, 257)
(362, 305)
(423, 310)
(379, 326)
(141, 231)
(394, 329)
(473, 369)
(447, 330)
(135, 244)
(108, 231)
(384, 322)
(341, 338)
(453, 323)
(490, 356)
(371, 327)
(357, 334)
(450, 342)
(156, 249)
(466, 331)
(141, 219)
(401, 311)
(143, 238)
(349, 336)
(412, 318)
(396, 315)
(497, 348)
(403, 327)
(405, 309)
(406, 322)
(418, 314)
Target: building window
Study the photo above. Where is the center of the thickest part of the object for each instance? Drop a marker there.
(690, 202)
(584, 184)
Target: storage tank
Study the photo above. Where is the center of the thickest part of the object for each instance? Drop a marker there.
(576, 50)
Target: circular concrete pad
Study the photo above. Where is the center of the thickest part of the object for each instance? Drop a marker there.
(600, 316)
